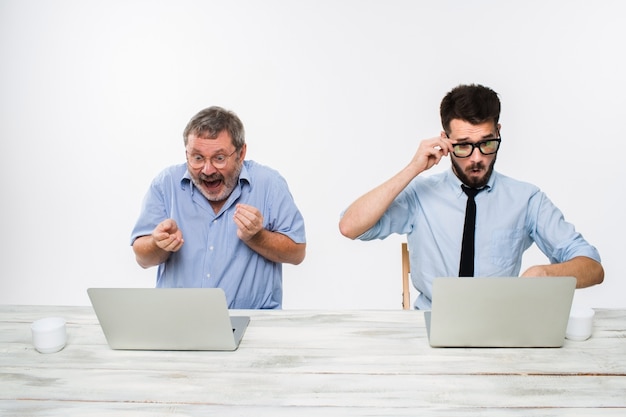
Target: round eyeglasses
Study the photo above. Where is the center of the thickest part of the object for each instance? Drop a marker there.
(486, 147)
(198, 161)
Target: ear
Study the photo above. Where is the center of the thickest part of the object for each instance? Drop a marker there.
(242, 152)
(444, 135)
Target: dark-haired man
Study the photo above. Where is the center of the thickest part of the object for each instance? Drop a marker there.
(510, 215)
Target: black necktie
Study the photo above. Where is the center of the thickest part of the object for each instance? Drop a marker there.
(466, 268)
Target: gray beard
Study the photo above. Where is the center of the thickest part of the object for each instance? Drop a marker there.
(229, 185)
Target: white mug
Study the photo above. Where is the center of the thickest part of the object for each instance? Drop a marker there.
(580, 323)
(49, 334)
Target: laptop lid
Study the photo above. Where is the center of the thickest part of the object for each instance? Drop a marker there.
(167, 318)
(500, 312)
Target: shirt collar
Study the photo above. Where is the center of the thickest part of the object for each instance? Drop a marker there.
(456, 183)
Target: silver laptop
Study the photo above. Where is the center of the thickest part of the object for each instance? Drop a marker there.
(500, 312)
(167, 318)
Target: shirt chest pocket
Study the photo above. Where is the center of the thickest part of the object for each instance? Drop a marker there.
(507, 247)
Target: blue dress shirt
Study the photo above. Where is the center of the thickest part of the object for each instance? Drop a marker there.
(212, 254)
(511, 216)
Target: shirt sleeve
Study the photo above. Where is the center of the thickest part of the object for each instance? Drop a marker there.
(398, 218)
(555, 237)
(153, 211)
(284, 216)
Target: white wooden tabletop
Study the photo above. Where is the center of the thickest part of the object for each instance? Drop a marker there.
(291, 363)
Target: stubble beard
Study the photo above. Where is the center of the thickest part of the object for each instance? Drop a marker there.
(473, 182)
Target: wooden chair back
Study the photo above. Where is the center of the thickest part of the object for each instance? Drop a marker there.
(406, 270)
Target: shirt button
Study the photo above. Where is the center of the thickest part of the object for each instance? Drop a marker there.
(210, 247)
(208, 275)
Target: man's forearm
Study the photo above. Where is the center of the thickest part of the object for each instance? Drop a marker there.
(587, 271)
(147, 253)
(363, 214)
(277, 247)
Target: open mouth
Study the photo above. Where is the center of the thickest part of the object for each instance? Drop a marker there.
(212, 184)
(476, 169)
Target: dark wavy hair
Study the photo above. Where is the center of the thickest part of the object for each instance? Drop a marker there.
(473, 103)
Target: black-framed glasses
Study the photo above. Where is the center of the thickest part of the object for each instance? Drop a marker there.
(197, 161)
(486, 147)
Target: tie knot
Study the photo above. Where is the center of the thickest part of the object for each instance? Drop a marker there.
(471, 192)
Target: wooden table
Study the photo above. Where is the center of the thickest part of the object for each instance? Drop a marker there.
(326, 363)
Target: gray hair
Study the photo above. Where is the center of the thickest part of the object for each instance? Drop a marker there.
(210, 122)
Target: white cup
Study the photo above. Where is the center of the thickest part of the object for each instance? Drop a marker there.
(580, 323)
(49, 334)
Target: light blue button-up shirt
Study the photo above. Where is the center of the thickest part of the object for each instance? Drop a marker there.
(510, 216)
(212, 255)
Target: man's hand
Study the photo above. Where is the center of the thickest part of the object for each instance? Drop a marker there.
(536, 271)
(167, 236)
(249, 221)
(430, 152)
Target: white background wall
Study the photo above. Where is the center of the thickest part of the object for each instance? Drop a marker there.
(336, 95)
